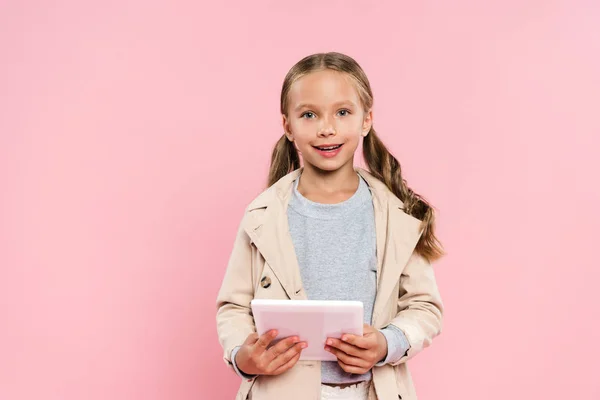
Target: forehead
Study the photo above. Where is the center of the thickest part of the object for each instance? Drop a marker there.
(322, 88)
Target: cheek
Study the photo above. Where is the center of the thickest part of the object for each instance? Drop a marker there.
(303, 132)
(351, 130)
(352, 125)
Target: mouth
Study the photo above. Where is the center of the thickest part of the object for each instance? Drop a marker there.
(328, 148)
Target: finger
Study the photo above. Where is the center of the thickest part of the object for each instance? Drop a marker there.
(288, 355)
(289, 364)
(351, 368)
(345, 347)
(347, 359)
(282, 346)
(359, 341)
(265, 340)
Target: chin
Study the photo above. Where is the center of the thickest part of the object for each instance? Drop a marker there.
(331, 166)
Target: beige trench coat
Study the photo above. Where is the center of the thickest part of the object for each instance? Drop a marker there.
(407, 293)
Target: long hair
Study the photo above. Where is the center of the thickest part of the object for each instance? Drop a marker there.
(381, 163)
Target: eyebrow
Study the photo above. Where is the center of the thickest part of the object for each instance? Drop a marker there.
(339, 103)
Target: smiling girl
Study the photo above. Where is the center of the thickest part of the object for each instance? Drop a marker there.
(327, 230)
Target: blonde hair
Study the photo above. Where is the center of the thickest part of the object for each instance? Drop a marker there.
(381, 163)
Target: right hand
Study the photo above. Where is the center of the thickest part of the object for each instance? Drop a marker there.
(256, 358)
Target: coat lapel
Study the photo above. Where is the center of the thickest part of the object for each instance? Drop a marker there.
(397, 236)
(403, 234)
(269, 231)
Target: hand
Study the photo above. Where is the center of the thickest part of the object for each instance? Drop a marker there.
(256, 358)
(358, 354)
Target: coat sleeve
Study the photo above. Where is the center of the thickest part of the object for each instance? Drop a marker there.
(420, 306)
(234, 318)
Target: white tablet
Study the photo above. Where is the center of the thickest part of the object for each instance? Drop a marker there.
(313, 321)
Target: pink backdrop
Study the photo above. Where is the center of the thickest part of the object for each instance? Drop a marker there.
(134, 133)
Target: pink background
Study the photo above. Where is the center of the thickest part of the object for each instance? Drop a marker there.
(134, 133)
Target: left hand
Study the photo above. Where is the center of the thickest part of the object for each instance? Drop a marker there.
(358, 354)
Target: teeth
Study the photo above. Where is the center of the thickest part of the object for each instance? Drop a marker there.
(329, 148)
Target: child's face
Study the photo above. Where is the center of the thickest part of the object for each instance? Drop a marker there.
(325, 110)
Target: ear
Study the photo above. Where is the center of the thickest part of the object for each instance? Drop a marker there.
(286, 128)
(367, 123)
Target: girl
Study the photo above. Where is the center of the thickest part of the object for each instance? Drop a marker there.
(329, 231)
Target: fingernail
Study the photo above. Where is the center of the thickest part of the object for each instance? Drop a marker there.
(303, 346)
(329, 342)
(344, 338)
(327, 348)
(274, 333)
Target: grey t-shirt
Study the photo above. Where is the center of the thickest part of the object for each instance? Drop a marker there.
(336, 249)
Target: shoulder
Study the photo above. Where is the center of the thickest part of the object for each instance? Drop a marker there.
(380, 190)
(276, 192)
(262, 200)
(399, 220)
(267, 204)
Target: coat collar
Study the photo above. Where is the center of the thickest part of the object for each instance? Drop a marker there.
(397, 234)
(282, 190)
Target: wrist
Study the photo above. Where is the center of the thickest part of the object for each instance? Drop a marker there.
(238, 364)
(383, 346)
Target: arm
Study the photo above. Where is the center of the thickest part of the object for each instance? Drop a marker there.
(420, 307)
(234, 319)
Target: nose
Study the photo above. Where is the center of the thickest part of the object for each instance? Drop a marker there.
(326, 129)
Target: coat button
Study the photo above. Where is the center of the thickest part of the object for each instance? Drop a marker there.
(265, 282)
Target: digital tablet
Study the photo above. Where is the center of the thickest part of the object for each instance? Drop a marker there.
(313, 321)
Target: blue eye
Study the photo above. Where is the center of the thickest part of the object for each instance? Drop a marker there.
(306, 114)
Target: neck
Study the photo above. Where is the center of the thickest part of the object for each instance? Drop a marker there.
(316, 181)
